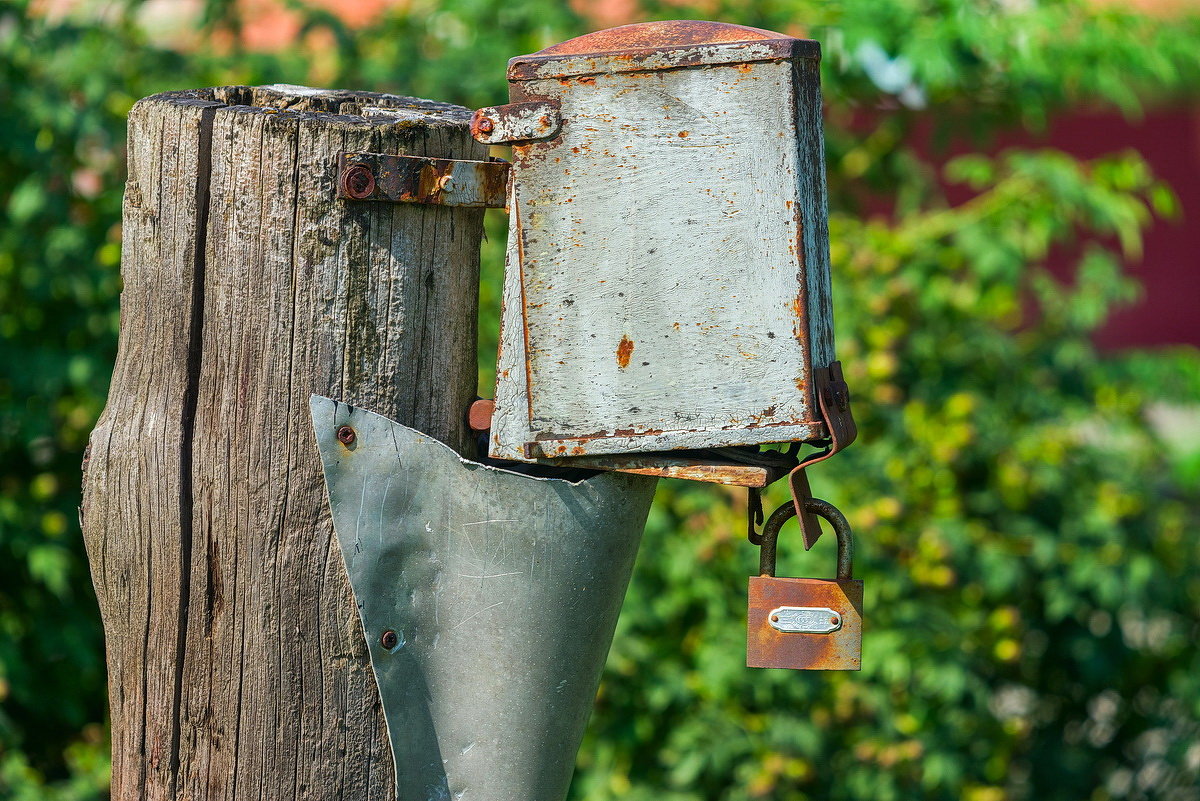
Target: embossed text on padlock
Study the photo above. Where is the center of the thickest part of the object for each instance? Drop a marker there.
(804, 623)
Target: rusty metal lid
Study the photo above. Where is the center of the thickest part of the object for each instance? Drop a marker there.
(670, 44)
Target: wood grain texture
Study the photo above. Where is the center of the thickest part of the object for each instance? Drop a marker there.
(667, 285)
(237, 664)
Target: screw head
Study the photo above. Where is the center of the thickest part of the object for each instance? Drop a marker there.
(358, 181)
(346, 435)
(774, 618)
(486, 125)
(388, 639)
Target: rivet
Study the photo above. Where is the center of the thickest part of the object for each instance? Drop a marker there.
(486, 125)
(389, 639)
(346, 435)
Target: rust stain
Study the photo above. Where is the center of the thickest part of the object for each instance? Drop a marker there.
(633, 432)
(624, 351)
(587, 79)
(797, 306)
(683, 134)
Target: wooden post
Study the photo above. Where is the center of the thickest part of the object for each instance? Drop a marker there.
(237, 663)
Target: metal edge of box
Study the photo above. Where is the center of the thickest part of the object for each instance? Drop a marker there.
(650, 59)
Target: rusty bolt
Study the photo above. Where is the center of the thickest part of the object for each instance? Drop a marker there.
(389, 639)
(774, 618)
(346, 435)
(358, 181)
(485, 125)
(479, 416)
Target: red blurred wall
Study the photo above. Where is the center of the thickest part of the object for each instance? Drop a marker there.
(1169, 140)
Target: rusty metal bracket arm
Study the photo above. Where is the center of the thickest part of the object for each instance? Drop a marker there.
(417, 179)
(833, 397)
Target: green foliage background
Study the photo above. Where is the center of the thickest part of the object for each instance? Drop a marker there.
(1027, 539)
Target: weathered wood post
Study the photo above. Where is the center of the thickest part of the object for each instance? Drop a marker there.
(237, 662)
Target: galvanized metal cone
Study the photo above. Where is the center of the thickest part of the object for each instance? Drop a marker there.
(488, 600)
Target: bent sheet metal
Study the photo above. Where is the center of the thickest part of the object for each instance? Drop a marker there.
(488, 600)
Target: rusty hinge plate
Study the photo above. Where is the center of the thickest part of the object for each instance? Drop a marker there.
(517, 122)
(417, 179)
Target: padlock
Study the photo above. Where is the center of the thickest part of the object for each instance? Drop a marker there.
(805, 623)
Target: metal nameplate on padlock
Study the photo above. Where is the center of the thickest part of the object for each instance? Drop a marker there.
(805, 623)
(805, 619)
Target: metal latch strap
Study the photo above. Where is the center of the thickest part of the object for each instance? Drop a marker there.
(418, 179)
(833, 397)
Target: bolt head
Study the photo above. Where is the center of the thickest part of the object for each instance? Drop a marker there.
(389, 640)
(346, 435)
(486, 125)
(479, 416)
(358, 181)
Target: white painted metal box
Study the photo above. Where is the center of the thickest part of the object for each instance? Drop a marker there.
(667, 279)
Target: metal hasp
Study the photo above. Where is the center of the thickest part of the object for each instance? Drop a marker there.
(667, 282)
(488, 600)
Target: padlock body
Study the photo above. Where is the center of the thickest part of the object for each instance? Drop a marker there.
(803, 635)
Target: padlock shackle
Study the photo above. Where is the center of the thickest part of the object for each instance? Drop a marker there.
(825, 509)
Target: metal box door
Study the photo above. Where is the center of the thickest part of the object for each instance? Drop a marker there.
(667, 277)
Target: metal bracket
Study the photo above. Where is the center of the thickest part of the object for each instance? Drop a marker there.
(417, 179)
(738, 467)
(517, 122)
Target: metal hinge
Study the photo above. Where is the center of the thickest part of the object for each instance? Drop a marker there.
(517, 123)
(417, 179)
